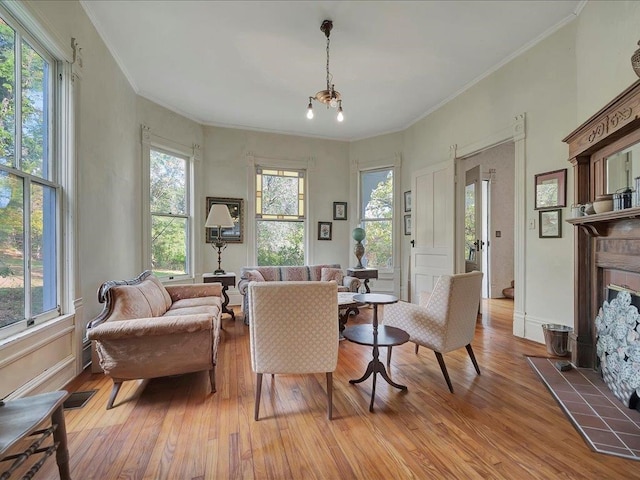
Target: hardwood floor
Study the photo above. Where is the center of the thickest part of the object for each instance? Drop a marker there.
(503, 424)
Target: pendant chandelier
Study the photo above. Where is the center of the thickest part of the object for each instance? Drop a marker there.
(330, 96)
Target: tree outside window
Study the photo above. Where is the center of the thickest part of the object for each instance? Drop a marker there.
(377, 217)
(29, 253)
(169, 203)
(280, 207)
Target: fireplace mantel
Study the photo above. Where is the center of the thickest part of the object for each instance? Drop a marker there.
(606, 245)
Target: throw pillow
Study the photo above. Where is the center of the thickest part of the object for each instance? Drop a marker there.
(254, 276)
(328, 274)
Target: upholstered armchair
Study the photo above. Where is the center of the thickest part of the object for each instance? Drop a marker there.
(445, 319)
(293, 330)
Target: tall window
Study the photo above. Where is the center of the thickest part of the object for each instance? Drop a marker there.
(280, 225)
(170, 213)
(376, 215)
(29, 194)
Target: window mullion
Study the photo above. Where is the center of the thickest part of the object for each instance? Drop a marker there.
(17, 101)
(27, 248)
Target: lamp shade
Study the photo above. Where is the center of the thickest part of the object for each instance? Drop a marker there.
(219, 216)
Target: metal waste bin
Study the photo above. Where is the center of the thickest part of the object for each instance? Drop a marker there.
(556, 337)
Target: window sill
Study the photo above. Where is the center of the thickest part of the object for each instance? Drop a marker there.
(32, 331)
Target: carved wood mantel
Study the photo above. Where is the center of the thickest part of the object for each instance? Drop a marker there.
(606, 245)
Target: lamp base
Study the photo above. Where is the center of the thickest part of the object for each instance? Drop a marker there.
(219, 272)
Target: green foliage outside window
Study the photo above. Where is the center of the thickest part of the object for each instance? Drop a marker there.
(169, 214)
(280, 219)
(378, 218)
(27, 153)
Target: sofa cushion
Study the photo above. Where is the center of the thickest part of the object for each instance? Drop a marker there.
(154, 293)
(254, 276)
(315, 271)
(194, 306)
(334, 274)
(128, 302)
(295, 274)
(195, 310)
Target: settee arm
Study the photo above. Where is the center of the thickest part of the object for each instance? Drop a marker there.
(151, 326)
(352, 283)
(179, 292)
(243, 285)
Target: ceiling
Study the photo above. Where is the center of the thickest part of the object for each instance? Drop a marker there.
(253, 65)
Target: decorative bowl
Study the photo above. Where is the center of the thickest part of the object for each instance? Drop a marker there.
(601, 206)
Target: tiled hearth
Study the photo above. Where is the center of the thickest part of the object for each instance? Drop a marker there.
(605, 423)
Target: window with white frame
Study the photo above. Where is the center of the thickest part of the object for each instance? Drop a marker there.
(280, 216)
(30, 193)
(376, 217)
(170, 209)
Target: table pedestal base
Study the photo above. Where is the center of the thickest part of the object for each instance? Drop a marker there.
(376, 366)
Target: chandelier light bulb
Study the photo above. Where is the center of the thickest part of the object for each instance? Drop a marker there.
(310, 110)
(333, 103)
(340, 116)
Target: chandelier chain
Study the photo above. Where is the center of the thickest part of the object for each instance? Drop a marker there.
(328, 74)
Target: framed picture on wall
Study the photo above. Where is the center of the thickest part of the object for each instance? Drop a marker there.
(407, 201)
(551, 189)
(234, 234)
(407, 224)
(339, 210)
(550, 223)
(324, 230)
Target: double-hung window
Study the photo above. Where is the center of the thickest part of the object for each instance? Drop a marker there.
(30, 195)
(376, 217)
(170, 210)
(280, 216)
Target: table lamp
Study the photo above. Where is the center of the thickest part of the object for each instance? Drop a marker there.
(219, 217)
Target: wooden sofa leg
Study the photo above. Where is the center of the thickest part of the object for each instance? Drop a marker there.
(444, 370)
(212, 379)
(330, 395)
(114, 391)
(258, 392)
(417, 347)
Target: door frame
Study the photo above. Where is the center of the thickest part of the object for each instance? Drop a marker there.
(516, 133)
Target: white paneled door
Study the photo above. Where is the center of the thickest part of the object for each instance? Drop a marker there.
(433, 197)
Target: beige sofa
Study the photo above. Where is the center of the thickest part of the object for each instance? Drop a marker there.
(147, 330)
(293, 273)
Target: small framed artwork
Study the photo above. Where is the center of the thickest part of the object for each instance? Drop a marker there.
(236, 210)
(407, 224)
(551, 189)
(339, 210)
(550, 223)
(324, 230)
(407, 201)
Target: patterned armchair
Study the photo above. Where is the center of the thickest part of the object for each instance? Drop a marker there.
(293, 330)
(446, 318)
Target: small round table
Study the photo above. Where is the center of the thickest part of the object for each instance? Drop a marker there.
(376, 336)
